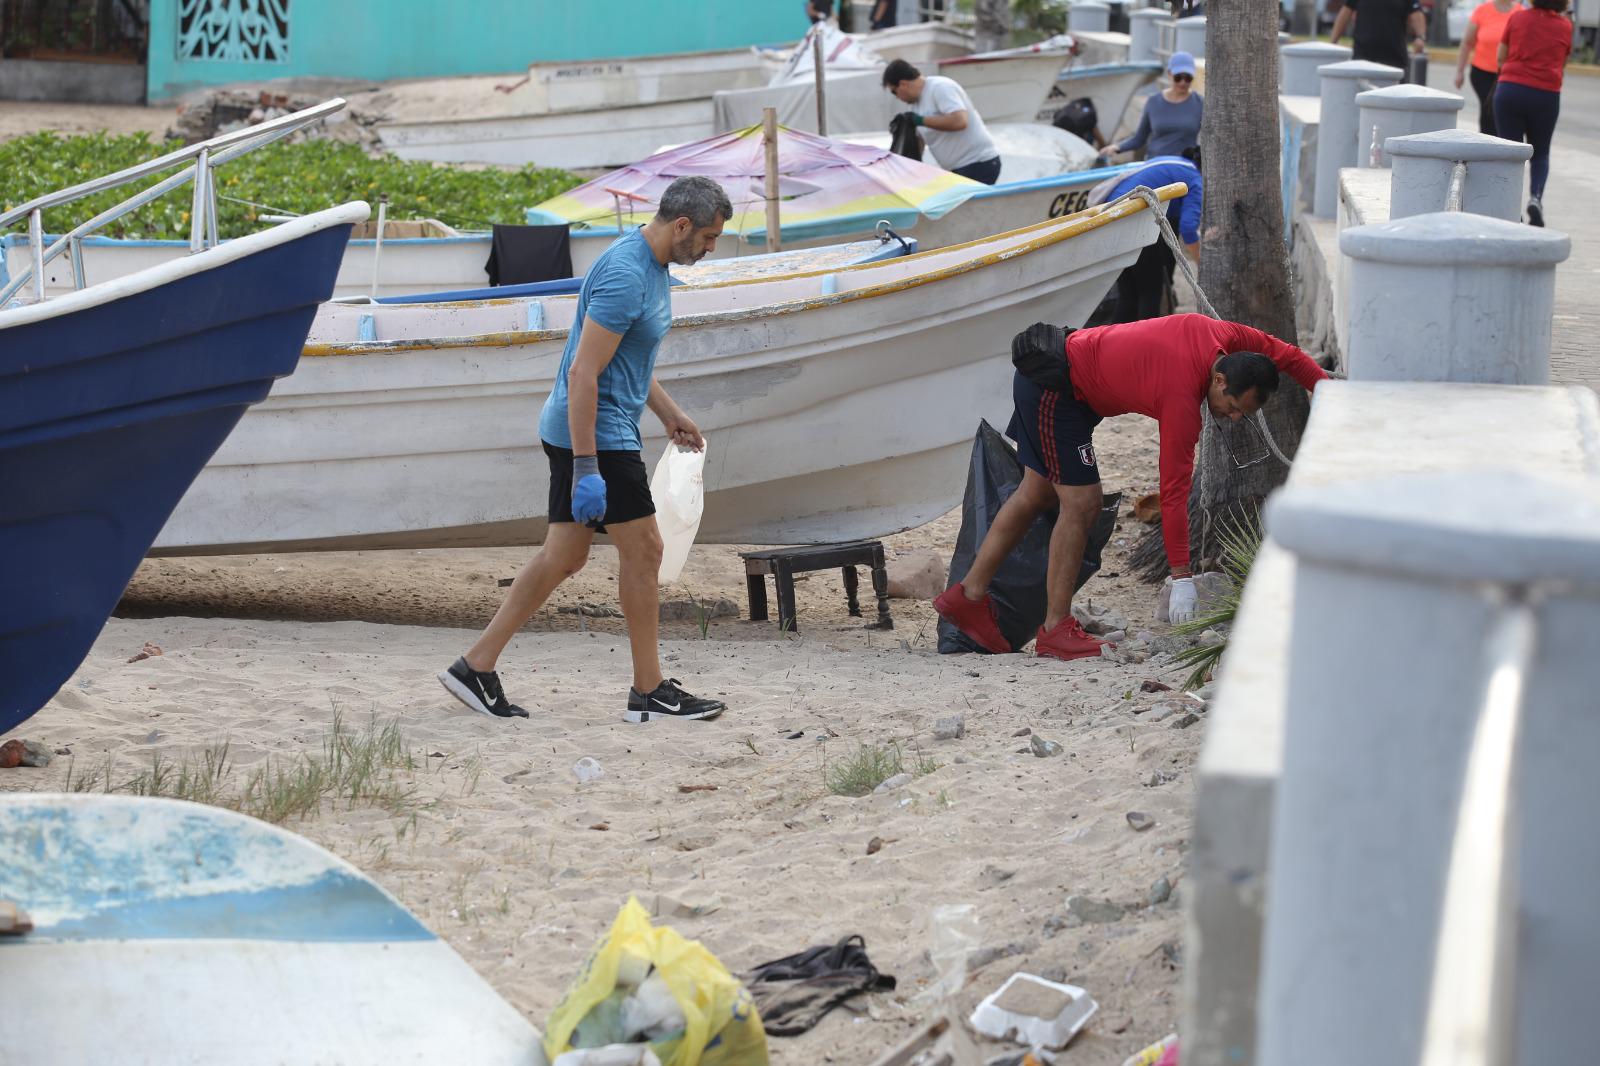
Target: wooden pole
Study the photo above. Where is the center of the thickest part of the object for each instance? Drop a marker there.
(769, 128)
(822, 99)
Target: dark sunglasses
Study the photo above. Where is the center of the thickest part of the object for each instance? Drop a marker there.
(1183, 77)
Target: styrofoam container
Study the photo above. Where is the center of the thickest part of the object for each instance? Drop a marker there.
(1030, 1010)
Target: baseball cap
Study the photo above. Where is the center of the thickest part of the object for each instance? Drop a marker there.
(1181, 63)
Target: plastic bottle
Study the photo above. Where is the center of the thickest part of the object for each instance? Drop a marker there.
(1375, 151)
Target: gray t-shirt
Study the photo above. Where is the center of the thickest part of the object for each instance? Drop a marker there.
(953, 148)
(1167, 127)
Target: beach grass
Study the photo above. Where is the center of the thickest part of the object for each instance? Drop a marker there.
(870, 766)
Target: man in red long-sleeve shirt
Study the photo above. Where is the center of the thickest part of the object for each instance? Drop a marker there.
(1165, 368)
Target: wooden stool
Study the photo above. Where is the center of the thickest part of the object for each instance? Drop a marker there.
(784, 563)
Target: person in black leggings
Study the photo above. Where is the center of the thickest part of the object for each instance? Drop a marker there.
(1533, 55)
(1480, 47)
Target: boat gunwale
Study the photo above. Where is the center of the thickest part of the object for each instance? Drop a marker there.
(1062, 229)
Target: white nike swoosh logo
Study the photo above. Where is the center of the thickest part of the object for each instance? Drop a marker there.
(487, 699)
(673, 707)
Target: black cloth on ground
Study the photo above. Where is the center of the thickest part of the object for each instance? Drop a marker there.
(794, 992)
(1019, 587)
(522, 254)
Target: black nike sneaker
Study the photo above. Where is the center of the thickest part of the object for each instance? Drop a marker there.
(479, 690)
(669, 701)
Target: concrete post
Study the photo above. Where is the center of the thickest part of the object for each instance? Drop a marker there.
(1423, 163)
(1378, 729)
(1399, 110)
(1144, 33)
(1451, 297)
(1336, 132)
(1191, 36)
(1088, 16)
(1298, 63)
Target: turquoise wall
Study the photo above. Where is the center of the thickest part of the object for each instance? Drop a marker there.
(382, 39)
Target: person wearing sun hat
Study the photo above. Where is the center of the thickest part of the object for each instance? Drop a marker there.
(1171, 119)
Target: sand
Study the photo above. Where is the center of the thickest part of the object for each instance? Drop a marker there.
(521, 868)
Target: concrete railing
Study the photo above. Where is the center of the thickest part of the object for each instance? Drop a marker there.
(1298, 65)
(1398, 110)
(1088, 16)
(1145, 28)
(1423, 165)
(1339, 131)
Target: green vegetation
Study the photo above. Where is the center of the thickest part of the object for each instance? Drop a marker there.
(359, 768)
(870, 767)
(1240, 540)
(289, 179)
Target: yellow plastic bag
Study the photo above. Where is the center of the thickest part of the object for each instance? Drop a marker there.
(721, 1025)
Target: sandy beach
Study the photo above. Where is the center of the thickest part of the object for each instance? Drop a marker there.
(520, 867)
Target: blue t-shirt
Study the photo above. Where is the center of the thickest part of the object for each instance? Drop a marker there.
(1184, 212)
(1168, 128)
(626, 292)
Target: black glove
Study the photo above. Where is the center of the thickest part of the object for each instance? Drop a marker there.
(1040, 354)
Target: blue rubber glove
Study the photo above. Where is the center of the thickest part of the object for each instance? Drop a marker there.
(588, 490)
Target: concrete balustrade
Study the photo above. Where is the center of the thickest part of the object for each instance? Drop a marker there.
(1088, 16)
(1356, 430)
(1339, 121)
(1376, 740)
(1399, 110)
(1451, 297)
(1144, 33)
(1423, 164)
(1298, 65)
(1191, 36)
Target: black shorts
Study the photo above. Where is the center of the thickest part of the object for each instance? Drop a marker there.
(1054, 434)
(627, 486)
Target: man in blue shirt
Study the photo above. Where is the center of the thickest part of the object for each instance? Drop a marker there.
(590, 430)
(1142, 288)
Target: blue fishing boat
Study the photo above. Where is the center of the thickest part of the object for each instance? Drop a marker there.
(159, 931)
(113, 397)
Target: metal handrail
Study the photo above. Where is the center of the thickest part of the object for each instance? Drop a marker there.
(207, 155)
(1472, 1000)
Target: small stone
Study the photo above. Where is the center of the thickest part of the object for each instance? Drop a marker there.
(915, 576)
(1162, 711)
(984, 956)
(1099, 620)
(1210, 638)
(1023, 732)
(992, 875)
(1115, 636)
(1160, 892)
(1140, 821)
(691, 610)
(1151, 685)
(1186, 721)
(1206, 691)
(11, 753)
(1098, 911)
(951, 728)
(516, 775)
(897, 781)
(1152, 780)
(1043, 748)
(63, 750)
(874, 845)
(960, 759)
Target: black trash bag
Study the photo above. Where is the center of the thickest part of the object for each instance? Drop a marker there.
(903, 137)
(1019, 588)
(1077, 117)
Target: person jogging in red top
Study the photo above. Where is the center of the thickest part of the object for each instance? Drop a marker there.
(1161, 367)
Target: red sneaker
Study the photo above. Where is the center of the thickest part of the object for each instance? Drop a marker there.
(1067, 641)
(974, 618)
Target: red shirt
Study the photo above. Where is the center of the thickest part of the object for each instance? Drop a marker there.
(1538, 42)
(1161, 367)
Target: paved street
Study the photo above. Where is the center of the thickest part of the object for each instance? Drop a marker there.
(1570, 203)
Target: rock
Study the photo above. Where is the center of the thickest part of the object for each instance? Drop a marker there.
(1043, 748)
(34, 754)
(897, 781)
(961, 759)
(992, 875)
(591, 610)
(1140, 821)
(1211, 588)
(1162, 711)
(984, 956)
(694, 611)
(64, 751)
(1098, 911)
(952, 728)
(1099, 620)
(915, 576)
(1210, 638)
(1206, 691)
(1152, 779)
(875, 845)
(1147, 508)
(1128, 652)
(1186, 721)
(1115, 636)
(1023, 732)
(11, 753)
(1160, 892)
(1150, 685)
(515, 776)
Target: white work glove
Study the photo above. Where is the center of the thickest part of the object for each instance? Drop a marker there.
(1181, 606)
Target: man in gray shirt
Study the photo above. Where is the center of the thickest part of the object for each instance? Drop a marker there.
(1171, 120)
(950, 125)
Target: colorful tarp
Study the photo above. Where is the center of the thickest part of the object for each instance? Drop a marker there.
(825, 186)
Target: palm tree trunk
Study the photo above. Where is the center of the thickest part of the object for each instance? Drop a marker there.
(1244, 268)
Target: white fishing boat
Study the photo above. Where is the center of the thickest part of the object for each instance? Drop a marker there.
(1112, 87)
(170, 932)
(838, 404)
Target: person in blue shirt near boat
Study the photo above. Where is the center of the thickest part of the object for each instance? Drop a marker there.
(1171, 119)
(1143, 287)
(590, 430)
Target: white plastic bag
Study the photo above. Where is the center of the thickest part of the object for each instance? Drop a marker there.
(679, 489)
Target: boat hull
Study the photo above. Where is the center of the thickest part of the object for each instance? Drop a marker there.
(111, 402)
(1111, 86)
(207, 936)
(829, 418)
